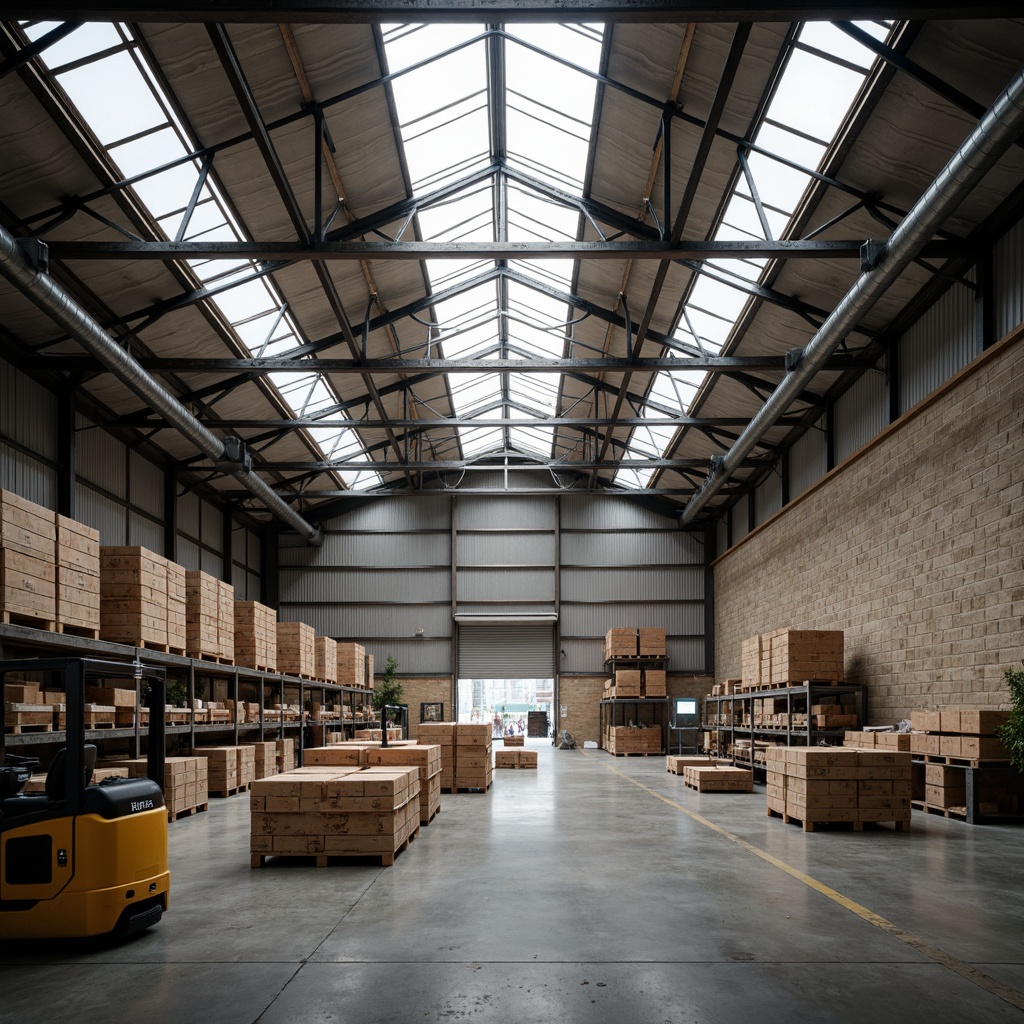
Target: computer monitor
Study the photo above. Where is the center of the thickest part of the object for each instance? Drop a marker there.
(685, 714)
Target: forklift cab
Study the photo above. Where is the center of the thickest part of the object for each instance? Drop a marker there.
(82, 859)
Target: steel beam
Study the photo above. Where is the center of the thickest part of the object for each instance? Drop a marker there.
(390, 365)
(638, 249)
(475, 11)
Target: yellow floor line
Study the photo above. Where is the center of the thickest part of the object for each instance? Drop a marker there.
(965, 970)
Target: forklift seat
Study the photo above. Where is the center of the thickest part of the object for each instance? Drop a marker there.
(56, 785)
(57, 776)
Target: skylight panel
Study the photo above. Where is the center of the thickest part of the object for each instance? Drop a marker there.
(87, 39)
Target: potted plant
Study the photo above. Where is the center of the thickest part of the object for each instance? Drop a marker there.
(1012, 733)
(386, 694)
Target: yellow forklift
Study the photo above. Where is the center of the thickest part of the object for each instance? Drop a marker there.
(82, 859)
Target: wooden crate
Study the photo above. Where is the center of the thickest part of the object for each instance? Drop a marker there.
(654, 683)
(78, 577)
(628, 682)
(133, 596)
(351, 664)
(627, 739)
(798, 655)
(651, 642)
(255, 636)
(296, 650)
(326, 654)
(751, 662)
(716, 779)
(514, 741)
(185, 783)
(621, 642)
(335, 812)
(202, 616)
(28, 574)
(221, 769)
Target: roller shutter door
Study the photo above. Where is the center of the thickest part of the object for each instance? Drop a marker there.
(506, 651)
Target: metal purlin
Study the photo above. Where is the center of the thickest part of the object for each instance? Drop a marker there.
(992, 136)
(230, 457)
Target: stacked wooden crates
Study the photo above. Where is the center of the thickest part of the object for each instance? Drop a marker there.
(443, 735)
(296, 650)
(352, 665)
(264, 758)
(28, 578)
(335, 812)
(255, 636)
(230, 769)
(816, 785)
(627, 739)
(209, 617)
(326, 658)
(473, 761)
(142, 599)
(515, 758)
(78, 578)
(785, 656)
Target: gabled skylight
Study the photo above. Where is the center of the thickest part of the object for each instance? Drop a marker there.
(105, 76)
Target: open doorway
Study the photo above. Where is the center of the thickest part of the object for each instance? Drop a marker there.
(516, 707)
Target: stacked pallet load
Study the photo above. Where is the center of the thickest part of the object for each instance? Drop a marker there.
(474, 766)
(185, 784)
(443, 735)
(369, 671)
(651, 642)
(718, 779)
(326, 658)
(424, 756)
(625, 740)
(255, 636)
(514, 741)
(296, 650)
(78, 578)
(222, 770)
(246, 754)
(515, 758)
(209, 618)
(621, 642)
(818, 785)
(963, 736)
(352, 665)
(264, 759)
(26, 710)
(28, 575)
(133, 597)
(784, 657)
(874, 739)
(335, 812)
(676, 763)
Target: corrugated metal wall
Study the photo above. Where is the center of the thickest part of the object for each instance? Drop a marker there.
(768, 498)
(860, 414)
(808, 460)
(384, 572)
(27, 416)
(382, 577)
(942, 342)
(1008, 260)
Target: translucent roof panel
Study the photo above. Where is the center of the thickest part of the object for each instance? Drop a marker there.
(450, 115)
(102, 70)
(820, 82)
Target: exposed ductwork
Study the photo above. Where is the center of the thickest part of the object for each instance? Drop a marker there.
(229, 455)
(994, 134)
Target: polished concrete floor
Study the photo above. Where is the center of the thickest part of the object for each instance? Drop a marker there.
(595, 889)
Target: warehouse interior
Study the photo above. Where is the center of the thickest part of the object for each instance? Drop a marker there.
(475, 340)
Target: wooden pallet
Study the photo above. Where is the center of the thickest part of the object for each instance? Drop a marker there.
(637, 753)
(230, 792)
(70, 629)
(10, 618)
(186, 811)
(960, 813)
(958, 762)
(258, 860)
(471, 789)
(214, 659)
(19, 722)
(856, 826)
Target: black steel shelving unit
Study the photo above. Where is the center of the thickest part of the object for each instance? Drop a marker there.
(799, 700)
(199, 676)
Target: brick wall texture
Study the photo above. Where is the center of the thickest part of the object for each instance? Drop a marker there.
(914, 546)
